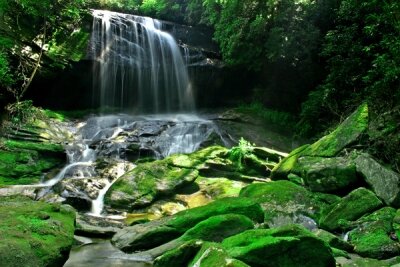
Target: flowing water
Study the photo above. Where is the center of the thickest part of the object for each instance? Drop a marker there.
(140, 67)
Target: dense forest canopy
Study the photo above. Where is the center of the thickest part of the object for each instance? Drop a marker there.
(318, 59)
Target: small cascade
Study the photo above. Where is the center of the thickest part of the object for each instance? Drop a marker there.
(105, 147)
(138, 65)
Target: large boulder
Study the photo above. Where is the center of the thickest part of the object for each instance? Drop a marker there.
(149, 181)
(213, 254)
(384, 182)
(284, 202)
(34, 233)
(155, 233)
(351, 207)
(326, 174)
(374, 236)
(24, 162)
(286, 246)
(346, 134)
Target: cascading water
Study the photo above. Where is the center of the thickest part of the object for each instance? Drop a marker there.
(139, 66)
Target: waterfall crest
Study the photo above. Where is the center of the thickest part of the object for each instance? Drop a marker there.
(138, 66)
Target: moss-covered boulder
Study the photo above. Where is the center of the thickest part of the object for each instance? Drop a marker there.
(326, 174)
(384, 182)
(351, 207)
(286, 246)
(346, 134)
(154, 233)
(333, 240)
(283, 201)
(34, 233)
(24, 162)
(285, 166)
(214, 229)
(149, 181)
(213, 254)
(374, 236)
(180, 256)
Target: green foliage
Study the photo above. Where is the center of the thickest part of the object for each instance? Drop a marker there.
(363, 63)
(281, 119)
(238, 153)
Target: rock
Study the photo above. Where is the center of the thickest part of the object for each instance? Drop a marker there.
(351, 207)
(372, 237)
(285, 166)
(141, 186)
(357, 261)
(219, 227)
(154, 233)
(215, 229)
(213, 254)
(346, 134)
(326, 174)
(282, 201)
(180, 256)
(333, 241)
(286, 246)
(23, 162)
(96, 226)
(384, 182)
(269, 154)
(34, 233)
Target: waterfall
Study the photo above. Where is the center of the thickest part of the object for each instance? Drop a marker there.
(138, 66)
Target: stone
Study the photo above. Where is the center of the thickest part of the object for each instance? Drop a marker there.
(155, 233)
(372, 238)
(291, 245)
(91, 226)
(213, 254)
(350, 208)
(282, 201)
(333, 240)
(34, 233)
(347, 133)
(383, 181)
(326, 174)
(269, 154)
(180, 256)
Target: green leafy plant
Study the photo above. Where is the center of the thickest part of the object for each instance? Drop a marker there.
(238, 153)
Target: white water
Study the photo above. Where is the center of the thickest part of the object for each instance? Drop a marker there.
(139, 66)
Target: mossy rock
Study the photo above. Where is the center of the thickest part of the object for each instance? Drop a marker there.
(214, 255)
(180, 256)
(346, 134)
(34, 233)
(372, 237)
(326, 174)
(147, 182)
(154, 233)
(333, 240)
(357, 261)
(282, 198)
(285, 166)
(350, 208)
(23, 162)
(384, 182)
(286, 246)
(214, 229)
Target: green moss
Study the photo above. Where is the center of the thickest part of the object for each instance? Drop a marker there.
(154, 233)
(180, 256)
(285, 246)
(54, 115)
(285, 166)
(345, 134)
(372, 238)
(34, 233)
(24, 162)
(351, 207)
(282, 198)
(218, 227)
(212, 254)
